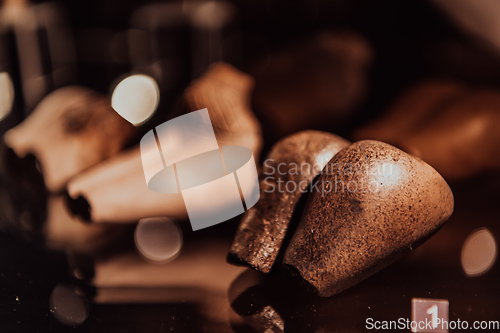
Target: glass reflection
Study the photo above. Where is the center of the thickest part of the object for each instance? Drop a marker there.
(158, 240)
(479, 252)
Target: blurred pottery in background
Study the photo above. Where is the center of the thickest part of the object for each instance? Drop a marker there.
(116, 190)
(65, 233)
(412, 110)
(462, 140)
(71, 130)
(226, 93)
(312, 84)
(198, 276)
(287, 174)
(451, 127)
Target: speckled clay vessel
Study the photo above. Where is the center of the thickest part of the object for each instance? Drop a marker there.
(347, 234)
(263, 227)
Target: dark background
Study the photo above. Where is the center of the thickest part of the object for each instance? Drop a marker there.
(412, 41)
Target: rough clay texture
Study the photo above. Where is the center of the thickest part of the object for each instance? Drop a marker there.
(266, 320)
(347, 234)
(263, 227)
(462, 140)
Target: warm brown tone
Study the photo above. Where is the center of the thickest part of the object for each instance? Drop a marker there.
(71, 130)
(116, 190)
(225, 92)
(350, 233)
(446, 124)
(462, 140)
(263, 227)
(412, 110)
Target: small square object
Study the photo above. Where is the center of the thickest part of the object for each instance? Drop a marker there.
(429, 315)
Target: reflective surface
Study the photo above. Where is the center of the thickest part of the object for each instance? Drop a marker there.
(432, 271)
(199, 292)
(479, 252)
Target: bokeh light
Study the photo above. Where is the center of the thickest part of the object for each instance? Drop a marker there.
(68, 306)
(136, 98)
(158, 239)
(479, 252)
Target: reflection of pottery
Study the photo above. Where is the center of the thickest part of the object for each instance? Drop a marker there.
(253, 305)
(313, 84)
(384, 296)
(64, 232)
(23, 196)
(226, 92)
